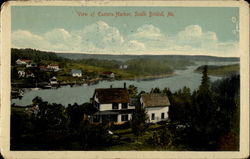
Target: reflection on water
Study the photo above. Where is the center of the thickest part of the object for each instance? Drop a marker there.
(81, 94)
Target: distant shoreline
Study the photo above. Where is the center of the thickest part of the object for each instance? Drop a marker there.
(152, 77)
(95, 81)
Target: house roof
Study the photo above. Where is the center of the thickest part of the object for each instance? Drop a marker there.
(155, 100)
(112, 95)
(107, 73)
(53, 65)
(24, 60)
(42, 66)
(76, 71)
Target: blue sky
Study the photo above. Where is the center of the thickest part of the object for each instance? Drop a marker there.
(191, 30)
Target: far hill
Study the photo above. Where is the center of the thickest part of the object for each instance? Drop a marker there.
(225, 70)
(124, 66)
(122, 57)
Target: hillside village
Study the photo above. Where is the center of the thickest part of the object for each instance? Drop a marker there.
(28, 74)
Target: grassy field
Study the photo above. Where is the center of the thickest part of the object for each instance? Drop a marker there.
(127, 141)
(220, 70)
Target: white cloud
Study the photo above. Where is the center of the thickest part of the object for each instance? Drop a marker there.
(136, 45)
(23, 38)
(150, 36)
(193, 36)
(147, 32)
(100, 37)
(57, 35)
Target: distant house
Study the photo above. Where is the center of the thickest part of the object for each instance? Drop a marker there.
(53, 67)
(21, 74)
(53, 81)
(108, 74)
(113, 105)
(76, 73)
(29, 74)
(124, 66)
(31, 65)
(156, 106)
(23, 62)
(43, 68)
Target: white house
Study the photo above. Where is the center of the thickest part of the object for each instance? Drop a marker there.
(43, 68)
(124, 66)
(113, 105)
(21, 74)
(53, 67)
(29, 74)
(31, 65)
(53, 81)
(108, 74)
(76, 73)
(23, 62)
(156, 106)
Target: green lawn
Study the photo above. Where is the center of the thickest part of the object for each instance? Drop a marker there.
(127, 141)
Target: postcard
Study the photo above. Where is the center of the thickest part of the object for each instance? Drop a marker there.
(125, 79)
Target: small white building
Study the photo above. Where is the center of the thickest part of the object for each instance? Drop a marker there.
(23, 62)
(113, 105)
(21, 74)
(29, 74)
(53, 81)
(156, 106)
(76, 73)
(53, 67)
(31, 65)
(124, 66)
(43, 68)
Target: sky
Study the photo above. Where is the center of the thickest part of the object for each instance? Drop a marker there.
(98, 30)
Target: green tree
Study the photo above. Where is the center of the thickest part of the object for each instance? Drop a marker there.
(205, 81)
(93, 136)
(76, 113)
(50, 116)
(155, 90)
(14, 73)
(181, 105)
(139, 119)
(204, 112)
(227, 97)
(132, 91)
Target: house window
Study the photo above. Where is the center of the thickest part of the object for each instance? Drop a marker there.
(115, 106)
(162, 115)
(153, 116)
(125, 117)
(124, 105)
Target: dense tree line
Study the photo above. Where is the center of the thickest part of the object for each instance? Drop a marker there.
(55, 127)
(155, 65)
(209, 114)
(148, 67)
(35, 55)
(100, 63)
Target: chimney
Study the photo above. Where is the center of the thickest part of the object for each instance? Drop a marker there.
(124, 85)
